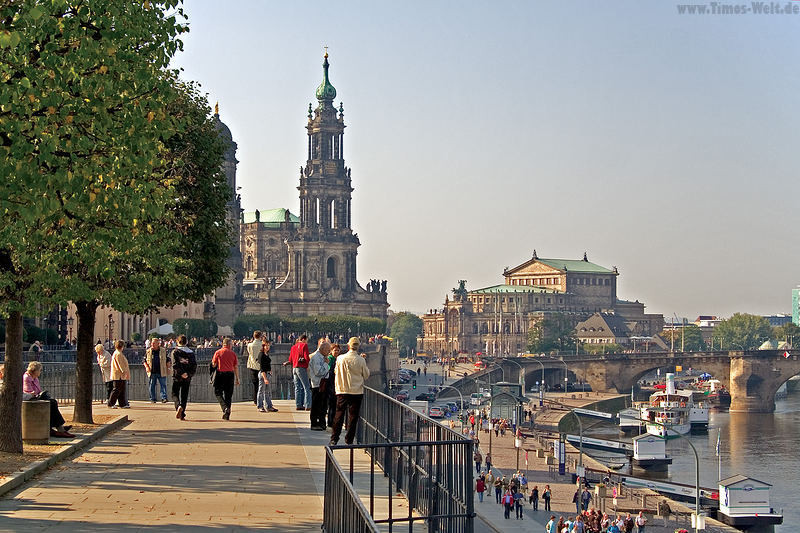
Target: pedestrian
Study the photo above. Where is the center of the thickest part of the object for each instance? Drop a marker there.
(298, 358)
(546, 494)
(551, 526)
(227, 373)
(604, 523)
(104, 362)
(336, 350)
(157, 364)
(480, 487)
(586, 497)
(498, 489)
(534, 498)
(318, 374)
(488, 460)
(641, 521)
(264, 395)
(184, 366)
(351, 372)
(254, 365)
(120, 372)
(664, 510)
(518, 499)
(508, 503)
(628, 523)
(576, 499)
(478, 461)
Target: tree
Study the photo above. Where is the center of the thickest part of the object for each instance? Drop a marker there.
(690, 334)
(406, 327)
(787, 332)
(742, 331)
(555, 332)
(94, 169)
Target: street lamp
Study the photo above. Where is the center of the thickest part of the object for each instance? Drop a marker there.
(521, 373)
(110, 326)
(280, 330)
(696, 472)
(541, 384)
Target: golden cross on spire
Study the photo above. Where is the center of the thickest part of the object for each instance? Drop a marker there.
(326, 51)
(216, 108)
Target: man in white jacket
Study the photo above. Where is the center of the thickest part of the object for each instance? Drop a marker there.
(351, 373)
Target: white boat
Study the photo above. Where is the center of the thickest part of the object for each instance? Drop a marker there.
(667, 413)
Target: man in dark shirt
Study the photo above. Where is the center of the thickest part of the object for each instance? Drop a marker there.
(184, 366)
(227, 370)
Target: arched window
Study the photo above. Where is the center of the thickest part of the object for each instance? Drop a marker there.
(249, 262)
(331, 270)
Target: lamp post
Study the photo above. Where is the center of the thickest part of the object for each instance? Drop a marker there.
(696, 472)
(541, 384)
(521, 373)
(280, 330)
(110, 326)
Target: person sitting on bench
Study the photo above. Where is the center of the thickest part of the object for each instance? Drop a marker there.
(31, 390)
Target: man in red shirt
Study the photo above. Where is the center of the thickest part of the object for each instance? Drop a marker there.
(226, 370)
(298, 357)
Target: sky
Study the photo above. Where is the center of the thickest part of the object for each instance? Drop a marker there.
(478, 131)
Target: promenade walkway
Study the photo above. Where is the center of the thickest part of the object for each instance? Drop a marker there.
(257, 471)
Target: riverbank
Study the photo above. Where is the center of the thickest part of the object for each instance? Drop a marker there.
(533, 459)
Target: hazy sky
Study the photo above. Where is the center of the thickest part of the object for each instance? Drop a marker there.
(659, 143)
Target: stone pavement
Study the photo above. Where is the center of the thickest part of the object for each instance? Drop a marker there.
(257, 471)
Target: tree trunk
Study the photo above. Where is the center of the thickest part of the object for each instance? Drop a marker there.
(11, 389)
(84, 362)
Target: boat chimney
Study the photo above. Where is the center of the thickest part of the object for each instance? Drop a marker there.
(670, 378)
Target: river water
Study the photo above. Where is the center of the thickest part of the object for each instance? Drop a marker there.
(761, 446)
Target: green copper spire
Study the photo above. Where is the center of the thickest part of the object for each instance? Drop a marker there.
(325, 92)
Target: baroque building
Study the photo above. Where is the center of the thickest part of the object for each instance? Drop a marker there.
(496, 319)
(303, 265)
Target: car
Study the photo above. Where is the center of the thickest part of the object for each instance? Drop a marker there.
(401, 396)
(436, 412)
(427, 396)
(480, 365)
(401, 378)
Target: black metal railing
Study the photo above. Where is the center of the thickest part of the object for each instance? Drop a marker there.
(343, 510)
(427, 462)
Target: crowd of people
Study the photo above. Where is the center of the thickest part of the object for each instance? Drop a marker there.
(329, 383)
(592, 521)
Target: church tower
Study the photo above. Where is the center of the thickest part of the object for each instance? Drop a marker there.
(228, 298)
(325, 248)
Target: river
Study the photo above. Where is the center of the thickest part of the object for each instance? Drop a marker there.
(761, 446)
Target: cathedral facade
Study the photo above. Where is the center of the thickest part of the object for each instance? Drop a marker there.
(496, 319)
(303, 265)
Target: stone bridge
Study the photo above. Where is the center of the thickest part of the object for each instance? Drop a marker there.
(751, 377)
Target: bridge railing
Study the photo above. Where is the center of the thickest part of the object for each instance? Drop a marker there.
(427, 462)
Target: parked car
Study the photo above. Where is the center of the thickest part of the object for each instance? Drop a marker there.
(436, 412)
(427, 396)
(401, 396)
(402, 378)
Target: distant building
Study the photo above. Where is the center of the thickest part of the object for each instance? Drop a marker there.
(496, 319)
(602, 328)
(778, 320)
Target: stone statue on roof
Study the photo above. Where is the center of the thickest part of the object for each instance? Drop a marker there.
(460, 293)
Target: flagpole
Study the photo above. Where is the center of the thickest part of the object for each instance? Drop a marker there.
(719, 456)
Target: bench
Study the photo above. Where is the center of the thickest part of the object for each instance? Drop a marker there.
(36, 421)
